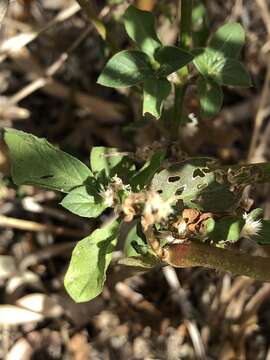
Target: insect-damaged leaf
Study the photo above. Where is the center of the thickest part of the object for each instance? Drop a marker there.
(195, 182)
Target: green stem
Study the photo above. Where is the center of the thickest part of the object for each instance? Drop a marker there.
(198, 254)
(185, 24)
(179, 93)
(181, 86)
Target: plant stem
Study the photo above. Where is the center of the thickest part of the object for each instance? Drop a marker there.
(180, 86)
(194, 253)
(185, 24)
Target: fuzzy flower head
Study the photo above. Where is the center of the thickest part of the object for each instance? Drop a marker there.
(155, 209)
(252, 227)
(108, 196)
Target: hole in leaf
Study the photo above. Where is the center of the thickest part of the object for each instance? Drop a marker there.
(206, 170)
(160, 191)
(173, 179)
(46, 177)
(198, 172)
(179, 191)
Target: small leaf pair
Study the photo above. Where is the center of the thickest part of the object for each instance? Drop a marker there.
(218, 65)
(150, 65)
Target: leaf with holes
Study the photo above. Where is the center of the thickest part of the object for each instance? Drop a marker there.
(126, 68)
(197, 183)
(90, 259)
(140, 26)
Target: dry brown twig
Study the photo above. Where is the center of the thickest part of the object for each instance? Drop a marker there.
(20, 224)
(263, 107)
(49, 72)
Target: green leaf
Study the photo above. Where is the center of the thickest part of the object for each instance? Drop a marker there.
(111, 161)
(84, 201)
(126, 68)
(146, 173)
(36, 162)
(223, 70)
(228, 40)
(90, 259)
(140, 26)
(171, 58)
(135, 242)
(233, 73)
(210, 96)
(155, 91)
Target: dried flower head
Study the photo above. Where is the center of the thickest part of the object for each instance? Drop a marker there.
(155, 209)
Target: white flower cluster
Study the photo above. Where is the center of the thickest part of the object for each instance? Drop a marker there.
(251, 227)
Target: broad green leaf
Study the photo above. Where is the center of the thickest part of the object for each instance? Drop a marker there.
(233, 73)
(84, 201)
(171, 59)
(126, 68)
(210, 96)
(90, 259)
(146, 173)
(223, 70)
(111, 161)
(228, 40)
(197, 183)
(36, 162)
(140, 26)
(155, 91)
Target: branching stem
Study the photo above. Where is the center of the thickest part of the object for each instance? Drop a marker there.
(195, 253)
